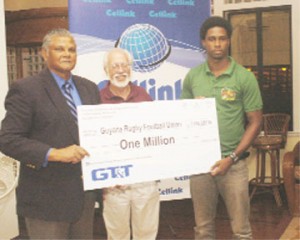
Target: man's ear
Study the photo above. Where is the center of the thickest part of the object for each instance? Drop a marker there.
(44, 54)
(203, 44)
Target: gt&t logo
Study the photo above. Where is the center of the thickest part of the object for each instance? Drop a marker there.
(111, 172)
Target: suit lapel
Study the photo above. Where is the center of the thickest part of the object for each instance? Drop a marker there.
(60, 103)
(83, 91)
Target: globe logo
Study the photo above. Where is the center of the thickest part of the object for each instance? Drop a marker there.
(147, 44)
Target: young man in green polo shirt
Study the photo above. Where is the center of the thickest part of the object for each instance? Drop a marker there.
(238, 103)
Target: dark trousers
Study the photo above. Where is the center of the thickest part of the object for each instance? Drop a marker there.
(82, 229)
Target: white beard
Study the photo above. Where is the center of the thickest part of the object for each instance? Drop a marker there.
(120, 84)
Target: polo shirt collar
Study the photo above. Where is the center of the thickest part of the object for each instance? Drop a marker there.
(109, 95)
(228, 71)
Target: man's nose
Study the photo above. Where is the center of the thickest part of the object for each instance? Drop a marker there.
(217, 42)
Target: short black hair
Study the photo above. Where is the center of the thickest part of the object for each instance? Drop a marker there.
(215, 21)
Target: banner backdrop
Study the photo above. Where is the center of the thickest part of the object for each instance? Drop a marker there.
(162, 36)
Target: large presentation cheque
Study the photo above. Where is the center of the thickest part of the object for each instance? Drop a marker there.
(137, 142)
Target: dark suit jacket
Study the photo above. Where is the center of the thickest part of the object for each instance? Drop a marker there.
(38, 118)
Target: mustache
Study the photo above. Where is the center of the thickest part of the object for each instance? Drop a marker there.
(121, 75)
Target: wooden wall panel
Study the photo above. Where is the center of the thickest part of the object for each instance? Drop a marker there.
(28, 27)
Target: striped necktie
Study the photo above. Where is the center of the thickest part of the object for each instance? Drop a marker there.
(69, 99)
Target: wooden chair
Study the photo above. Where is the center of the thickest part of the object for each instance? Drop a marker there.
(276, 124)
(291, 177)
(275, 128)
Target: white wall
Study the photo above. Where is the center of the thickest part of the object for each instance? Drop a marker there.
(3, 63)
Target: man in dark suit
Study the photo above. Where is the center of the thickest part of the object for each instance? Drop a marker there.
(40, 131)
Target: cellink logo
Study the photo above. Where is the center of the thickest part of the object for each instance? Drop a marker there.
(147, 44)
(101, 174)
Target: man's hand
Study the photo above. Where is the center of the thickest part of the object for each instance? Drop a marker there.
(71, 154)
(221, 166)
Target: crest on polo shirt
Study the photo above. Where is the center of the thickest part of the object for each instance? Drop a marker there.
(228, 94)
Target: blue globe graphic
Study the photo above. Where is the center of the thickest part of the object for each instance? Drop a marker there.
(147, 44)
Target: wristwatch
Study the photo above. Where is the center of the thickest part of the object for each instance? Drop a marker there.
(234, 157)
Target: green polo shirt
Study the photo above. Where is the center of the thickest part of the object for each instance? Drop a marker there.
(236, 92)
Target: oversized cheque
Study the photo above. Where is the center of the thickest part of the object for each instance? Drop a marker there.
(136, 142)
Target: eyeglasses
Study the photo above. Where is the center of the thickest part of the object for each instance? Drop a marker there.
(119, 65)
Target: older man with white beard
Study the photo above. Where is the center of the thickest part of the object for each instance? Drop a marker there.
(136, 206)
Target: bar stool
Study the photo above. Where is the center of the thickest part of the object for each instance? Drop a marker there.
(275, 126)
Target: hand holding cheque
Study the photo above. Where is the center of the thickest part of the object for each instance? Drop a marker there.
(137, 142)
